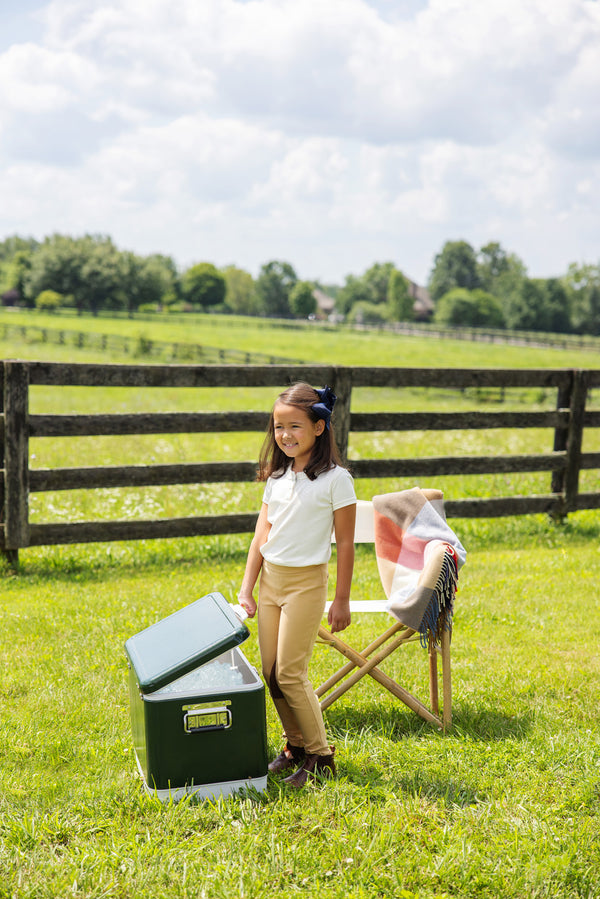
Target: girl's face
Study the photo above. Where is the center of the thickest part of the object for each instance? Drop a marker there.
(295, 433)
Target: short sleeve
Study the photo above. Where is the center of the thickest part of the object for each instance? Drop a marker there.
(267, 491)
(342, 490)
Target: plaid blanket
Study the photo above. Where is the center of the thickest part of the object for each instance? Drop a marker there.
(419, 557)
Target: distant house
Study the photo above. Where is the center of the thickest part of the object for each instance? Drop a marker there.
(325, 303)
(423, 306)
(11, 297)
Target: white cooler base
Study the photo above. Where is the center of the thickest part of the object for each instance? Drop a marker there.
(205, 791)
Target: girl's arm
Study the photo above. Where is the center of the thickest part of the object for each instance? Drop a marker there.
(254, 563)
(344, 521)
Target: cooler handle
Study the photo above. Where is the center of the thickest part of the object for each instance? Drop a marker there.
(199, 720)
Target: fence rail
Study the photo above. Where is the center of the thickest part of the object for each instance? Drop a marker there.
(564, 461)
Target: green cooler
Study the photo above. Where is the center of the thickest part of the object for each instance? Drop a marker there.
(197, 705)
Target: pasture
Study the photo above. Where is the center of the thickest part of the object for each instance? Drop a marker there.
(504, 805)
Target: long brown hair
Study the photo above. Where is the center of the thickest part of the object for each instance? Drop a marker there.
(272, 460)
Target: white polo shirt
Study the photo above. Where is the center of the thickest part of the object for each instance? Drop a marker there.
(300, 512)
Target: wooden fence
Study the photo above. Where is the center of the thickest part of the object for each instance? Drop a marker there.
(564, 462)
(137, 347)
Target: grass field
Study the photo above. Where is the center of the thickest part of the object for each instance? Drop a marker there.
(504, 805)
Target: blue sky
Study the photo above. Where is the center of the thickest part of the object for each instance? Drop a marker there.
(328, 133)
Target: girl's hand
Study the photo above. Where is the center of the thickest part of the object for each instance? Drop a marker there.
(339, 615)
(248, 604)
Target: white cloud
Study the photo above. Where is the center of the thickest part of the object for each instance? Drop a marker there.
(331, 134)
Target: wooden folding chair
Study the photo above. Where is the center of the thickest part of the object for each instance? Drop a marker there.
(367, 660)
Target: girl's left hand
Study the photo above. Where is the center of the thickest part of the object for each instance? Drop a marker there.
(339, 617)
(248, 604)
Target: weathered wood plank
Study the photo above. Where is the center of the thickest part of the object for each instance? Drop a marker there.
(563, 401)
(503, 506)
(455, 421)
(211, 422)
(589, 460)
(457, 377)
(588, 501)
(449, 465)
(342, 385)
(16, 455)
(146, 423)
(93, 532)
(99, 375)
(47, 479)
(42, 480)
(106, 531)
(83, 374)
(575, 439)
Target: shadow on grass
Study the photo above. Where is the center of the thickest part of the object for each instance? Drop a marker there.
(469, 722)
(449, 791)
(95, 562)
(481, 723)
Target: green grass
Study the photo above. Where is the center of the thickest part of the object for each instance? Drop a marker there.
(311, 344)
(504, 805)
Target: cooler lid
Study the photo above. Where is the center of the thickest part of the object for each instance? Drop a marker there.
(184, 640)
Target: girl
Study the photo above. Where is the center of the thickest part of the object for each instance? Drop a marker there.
(307, 494)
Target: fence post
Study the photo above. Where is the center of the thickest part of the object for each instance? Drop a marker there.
(561, 435)
(575, 439)
(16, 458)
(342, 385)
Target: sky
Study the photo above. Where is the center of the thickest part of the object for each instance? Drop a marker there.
(331, 134)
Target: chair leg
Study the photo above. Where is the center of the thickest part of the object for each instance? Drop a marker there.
(446, 680)
(433, 682)
(325, 635)
(368, 666)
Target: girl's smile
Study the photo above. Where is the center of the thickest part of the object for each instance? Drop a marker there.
(295, 433)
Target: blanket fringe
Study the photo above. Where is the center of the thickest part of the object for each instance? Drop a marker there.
(439, 612)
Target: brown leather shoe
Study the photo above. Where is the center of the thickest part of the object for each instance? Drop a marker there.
(314, 766)
(286, 759)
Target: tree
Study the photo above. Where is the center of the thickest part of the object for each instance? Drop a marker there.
(240, 292)
(273, 287)
(582, 285)
(353, 291)
(526, 310)
(364, 313)
(148, 281)
(15, 244)
(203, 285)
(302, 299)
(372, 288)
(376, 280)
(558, 307)
(400, 302)
(455, 266)
(102, 275)
(57, 265)
(49, 301)
(469, 308)
(16, 271)
(492, 263)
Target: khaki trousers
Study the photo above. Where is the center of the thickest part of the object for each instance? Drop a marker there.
(291, 602)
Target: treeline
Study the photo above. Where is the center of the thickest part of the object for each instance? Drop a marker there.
(491, 288)
(488, 288)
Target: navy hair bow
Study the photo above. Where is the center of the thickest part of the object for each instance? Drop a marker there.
(324, 408)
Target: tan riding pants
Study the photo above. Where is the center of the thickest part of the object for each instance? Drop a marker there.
(291, 602)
